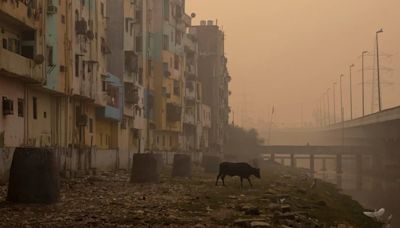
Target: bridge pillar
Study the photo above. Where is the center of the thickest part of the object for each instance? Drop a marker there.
(359, 171)
(312, 163)
(272, 157)
(339, 180)
(339, 167)
(292, 161)
(324, 164)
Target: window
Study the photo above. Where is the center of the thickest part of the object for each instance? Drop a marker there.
(140, 76)
(50, 56)
(34, 107)
(178, 37)
(149, 67)
(103, 86)
(163, 140)
(102, 9)
(177, 88)
(138, 16)
(176, 62)
(83, 70)
(77, 66)
(138, 43)
(90, 125)
(165, 42)
(44, 115)
(20, 107)
(166, 10)
(5, 43)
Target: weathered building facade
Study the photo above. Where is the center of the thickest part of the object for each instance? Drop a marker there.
(100, 80)
(214, 76)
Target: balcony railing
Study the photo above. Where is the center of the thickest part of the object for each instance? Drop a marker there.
(16, 65)
(21, 12)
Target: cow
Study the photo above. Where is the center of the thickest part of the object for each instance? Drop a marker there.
(243, 170)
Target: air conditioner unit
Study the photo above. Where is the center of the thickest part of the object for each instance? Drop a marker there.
(8, 106)
(51, 9)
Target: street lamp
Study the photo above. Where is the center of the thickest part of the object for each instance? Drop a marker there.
(329, 112)
(351, 94)
(377, 62)
(362, 81)
(334, 103)
(341, 98)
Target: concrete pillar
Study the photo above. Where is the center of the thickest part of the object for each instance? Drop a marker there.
(272, 157)
(282, 161)
(339, 180)
(324, 164)
(359, 168)
(339, 167)
(292, 161)
(312, 163)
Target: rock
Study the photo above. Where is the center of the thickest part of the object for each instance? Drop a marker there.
(322, 203)
(259, 224)
(285, 208)
(247, 222)
(199, 226)
(252, 211)
(273, 206)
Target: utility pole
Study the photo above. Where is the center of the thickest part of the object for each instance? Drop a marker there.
(377, 62)
(334, 102)
(363, 82)
(351, 94)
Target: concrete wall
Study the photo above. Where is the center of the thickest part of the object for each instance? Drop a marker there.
(11, 126)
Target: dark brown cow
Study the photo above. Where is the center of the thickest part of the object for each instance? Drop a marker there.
(243, 170)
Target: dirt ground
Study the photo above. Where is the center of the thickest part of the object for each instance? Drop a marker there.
(281, 198)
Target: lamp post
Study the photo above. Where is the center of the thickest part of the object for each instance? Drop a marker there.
(377, 62)
(362, 82)
(334, 102)
(341, 98)
(329, 112)
(351, 94)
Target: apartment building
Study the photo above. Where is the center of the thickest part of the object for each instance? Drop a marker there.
(167, 28)
(99, 80)
(125, 29)
(214, 77)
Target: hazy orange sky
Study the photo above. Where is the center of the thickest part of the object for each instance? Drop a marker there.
(288, 52)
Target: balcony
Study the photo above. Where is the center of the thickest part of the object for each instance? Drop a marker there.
(189, 118)
(15, 65)
(109, 112)
(174, 112)
(23, 14)
(190, 94)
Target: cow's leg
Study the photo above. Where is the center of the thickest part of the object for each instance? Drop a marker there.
(223, 180)
(216, 182)
(250, 181)
(241, 182)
